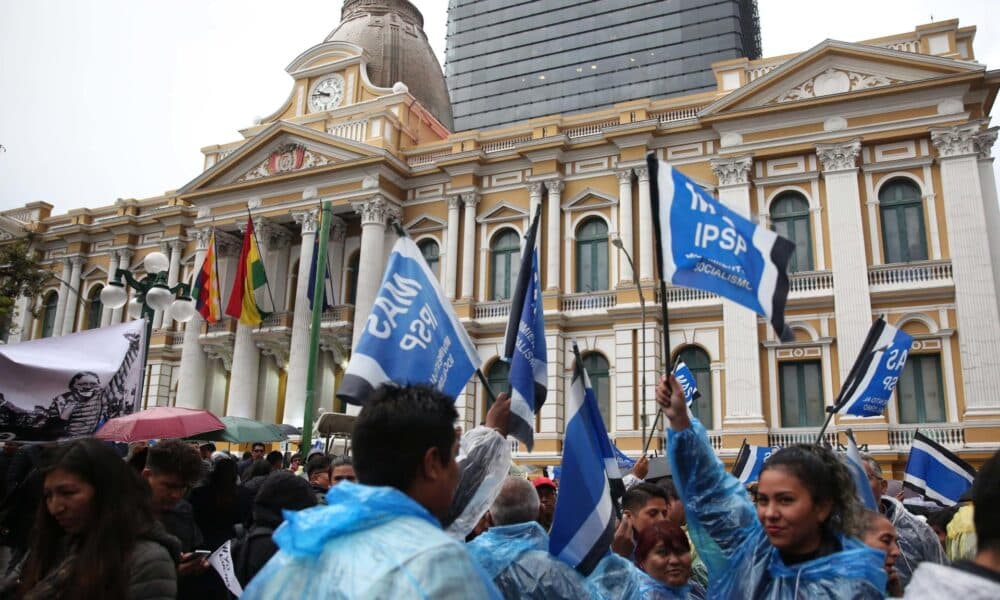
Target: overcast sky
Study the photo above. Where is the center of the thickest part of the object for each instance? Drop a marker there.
(101, 99)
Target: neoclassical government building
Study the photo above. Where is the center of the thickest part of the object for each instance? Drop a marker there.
(873, 156)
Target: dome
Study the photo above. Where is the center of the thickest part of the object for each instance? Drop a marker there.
(392, 33)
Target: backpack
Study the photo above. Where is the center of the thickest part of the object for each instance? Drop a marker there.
(240, 550)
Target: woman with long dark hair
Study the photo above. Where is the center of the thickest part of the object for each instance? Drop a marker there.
(95, 536)
(800, 538)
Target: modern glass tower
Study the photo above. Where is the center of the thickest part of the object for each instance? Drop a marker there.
(511, 60)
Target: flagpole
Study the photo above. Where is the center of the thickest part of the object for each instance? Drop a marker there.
(317, 321)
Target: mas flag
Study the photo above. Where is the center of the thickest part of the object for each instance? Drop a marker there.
(68, 386)
(750, 461)
(327, 280)
(590, 484)
(858, 473)
(686, 378)
(936, 472)
(412, 334)
(624, 462)
(525, 342)
(248, 301)
(703, 244)
(875, 372)
(206, 286)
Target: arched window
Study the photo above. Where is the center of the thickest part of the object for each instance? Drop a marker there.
(904, 238)
(592, 256)
(498, 376)
(790, 219)
(698, 362)
(352, 278)
(505, 254)
(93, 308)
(49, 313)
(432, 254)
(600, 381)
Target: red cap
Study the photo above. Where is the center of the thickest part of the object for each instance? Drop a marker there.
(540, 481)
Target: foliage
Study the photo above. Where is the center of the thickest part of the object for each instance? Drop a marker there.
(21, 274)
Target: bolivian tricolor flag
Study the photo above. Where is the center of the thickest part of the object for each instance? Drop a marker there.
(206, 286)
(246, 301)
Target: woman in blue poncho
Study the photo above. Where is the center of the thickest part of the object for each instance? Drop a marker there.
(798, 542)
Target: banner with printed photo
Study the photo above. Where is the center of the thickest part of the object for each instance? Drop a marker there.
(68, 386)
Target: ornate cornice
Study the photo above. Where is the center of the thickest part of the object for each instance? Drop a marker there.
(839, 156)
(835, 81)
(732, 171)
(956, 141)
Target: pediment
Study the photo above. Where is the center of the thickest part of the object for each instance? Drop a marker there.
(94, 271)
(425, 224)
(323, 55)
(281, 149)
(589, 199)
(833, 68)
(10, 229)
(502, 212)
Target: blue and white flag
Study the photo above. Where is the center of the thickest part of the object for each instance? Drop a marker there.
(936, 472)
(875, 372)
(590, 485)
(624, 462)
(412, 334)
(857, 468)
(750, 461)
(703, 244)
(686, 378)
(524, 346)
(328, 297)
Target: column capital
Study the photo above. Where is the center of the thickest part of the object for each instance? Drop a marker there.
(952, 142)
(624, 176)
(984, 143)
(308, 219)
(839, 156)
(276, 349)
(455, 201)
(642, 174)
(125, 257)
(178, 245)
(376, 211)
(227, 244)
(338, 229)
(67, 262)
(555, 186)
(202, 237)
(732, 171)
(76, 261)
(535, 188)
(222, 351)
(165, 247)
(274, 236)
(471, 199)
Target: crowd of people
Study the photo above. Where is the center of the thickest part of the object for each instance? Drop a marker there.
(79, 520)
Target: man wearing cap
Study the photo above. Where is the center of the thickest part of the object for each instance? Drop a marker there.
(546, 490)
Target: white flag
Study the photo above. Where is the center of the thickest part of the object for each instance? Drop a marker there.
(222, 561)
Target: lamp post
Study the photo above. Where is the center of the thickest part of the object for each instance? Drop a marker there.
(153, 294)
(617, 243)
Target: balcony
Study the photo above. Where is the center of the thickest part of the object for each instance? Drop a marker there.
(224, 326)
(799, 435)
(910, 276)
(496, 309)
(589, 301)
(683, 295)
(949, 435)
(808, 284)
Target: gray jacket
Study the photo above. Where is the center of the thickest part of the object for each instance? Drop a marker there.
(153, 566)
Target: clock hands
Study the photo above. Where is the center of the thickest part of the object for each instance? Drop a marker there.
(319, 93)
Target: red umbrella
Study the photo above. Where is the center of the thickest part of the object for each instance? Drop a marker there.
(159, 422)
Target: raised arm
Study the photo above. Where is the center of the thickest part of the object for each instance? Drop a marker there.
(719, 512)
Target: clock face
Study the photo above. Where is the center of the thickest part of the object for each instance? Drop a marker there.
(327, 93)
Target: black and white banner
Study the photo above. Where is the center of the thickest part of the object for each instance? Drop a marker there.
(68, 386)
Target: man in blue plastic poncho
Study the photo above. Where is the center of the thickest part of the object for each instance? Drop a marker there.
(515, 549)
(382, 538)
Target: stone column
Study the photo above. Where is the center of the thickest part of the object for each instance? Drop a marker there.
(191, 377)
(984, 147)
(337, 239)
(72, 297)
(555, 189)
(975, 291)
(451, 248)
(275, 241)
(469, 244)
(375, 213)
(625, 223)
(851, 296)
(743, 389)
(25, 321)
(175, 248)
(645, 226)
(246, 368)
(120, 314)
(67, 270)
(298, 361)
(107, 313)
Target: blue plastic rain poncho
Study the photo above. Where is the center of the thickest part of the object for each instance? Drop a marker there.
(731, 541)
(483, 462)
(517, 558)
(917, 541)
(616, 578)
(369, 542)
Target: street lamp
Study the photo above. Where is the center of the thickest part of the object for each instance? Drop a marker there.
(153, 294)
(617, 243)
